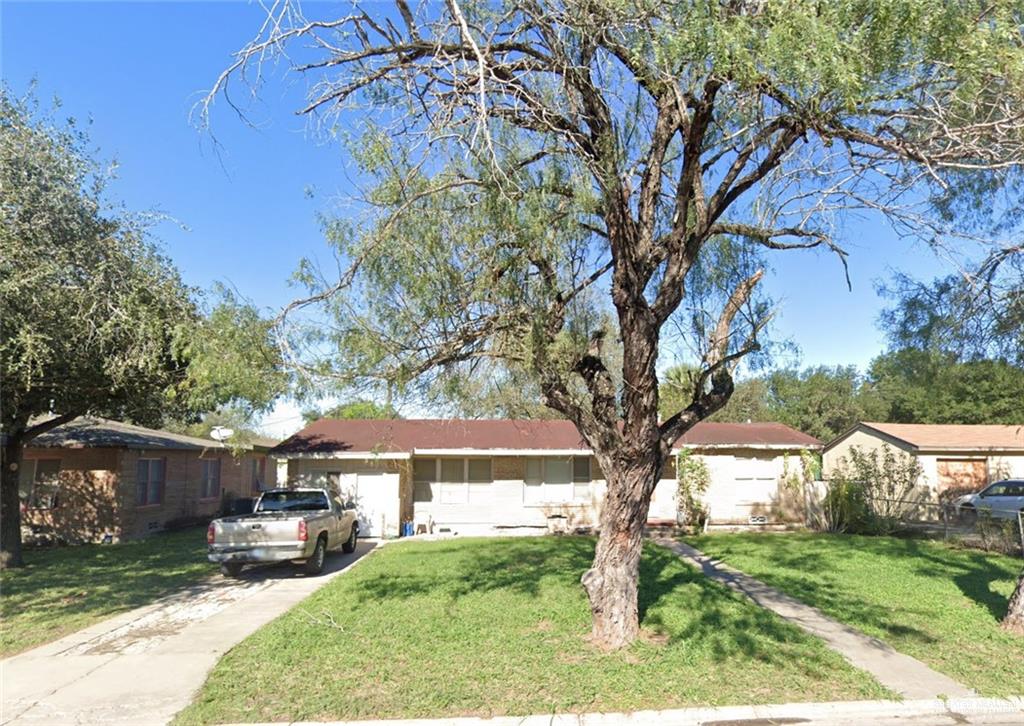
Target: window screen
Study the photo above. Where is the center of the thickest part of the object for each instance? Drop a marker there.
(149, 481)
(558, 479)
(209, 484)
(580, 477)
(453, 481)
(424, 470)
(480, 471)
(534, 471)
(46, 484)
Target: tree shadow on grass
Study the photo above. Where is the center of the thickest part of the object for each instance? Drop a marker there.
(972, 572)
(722, 621)
(676, 602)
(809, 577)
(809, 557)
(518, 564)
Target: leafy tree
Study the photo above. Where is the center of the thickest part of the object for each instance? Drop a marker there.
(966, 317)
(358, 408)
(95, 320)
(822, 401)
(232, 417)
(917, 386)
(549, 177)
(748, 402)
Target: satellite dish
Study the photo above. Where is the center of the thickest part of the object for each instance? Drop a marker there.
(221, 433)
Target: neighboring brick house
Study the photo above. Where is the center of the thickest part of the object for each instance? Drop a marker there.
(94, 479)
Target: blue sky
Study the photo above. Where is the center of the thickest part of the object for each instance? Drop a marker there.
(244, 213)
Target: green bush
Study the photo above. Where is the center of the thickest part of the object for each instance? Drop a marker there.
(846, 508)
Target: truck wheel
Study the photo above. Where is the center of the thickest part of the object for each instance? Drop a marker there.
(231, 569)
(968, 516)
(350, 544)
(315, 563)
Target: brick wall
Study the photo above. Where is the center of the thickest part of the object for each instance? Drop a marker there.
(86, 507)
(97, 494)
(182, 500)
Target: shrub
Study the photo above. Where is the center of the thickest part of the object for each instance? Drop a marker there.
(694, 478)
(844, 508)
(888, 482)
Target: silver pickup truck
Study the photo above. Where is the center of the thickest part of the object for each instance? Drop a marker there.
(300, 525)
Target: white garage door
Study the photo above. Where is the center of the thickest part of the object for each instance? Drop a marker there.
(372, 492)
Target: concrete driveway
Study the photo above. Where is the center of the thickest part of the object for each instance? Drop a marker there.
(144, 666)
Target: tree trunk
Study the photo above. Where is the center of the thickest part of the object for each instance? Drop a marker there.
(611, 582)
(10, 504)
(1014, 620)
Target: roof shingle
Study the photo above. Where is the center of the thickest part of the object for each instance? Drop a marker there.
(90, 431)
(408, 435)
(955, 436)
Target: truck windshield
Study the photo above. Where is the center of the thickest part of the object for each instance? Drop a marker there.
(293, 502)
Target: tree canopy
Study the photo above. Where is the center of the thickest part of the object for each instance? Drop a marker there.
(964, 316)
(917, 386)
(545, 178)
(91, 310)
(822, 401)
(95, 319)
(357, 408)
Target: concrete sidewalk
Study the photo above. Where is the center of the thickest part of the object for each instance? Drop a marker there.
(930, 712)
(144, 666)
(900, 673)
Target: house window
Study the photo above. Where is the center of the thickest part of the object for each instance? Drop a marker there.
(149, 481)
(580, 477)
(556, 480)
(259, 473)
(45, 484)
(424, 474)
(478, 475)
(451, 481)
(209, 479)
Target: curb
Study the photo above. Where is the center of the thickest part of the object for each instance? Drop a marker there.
(956, 710)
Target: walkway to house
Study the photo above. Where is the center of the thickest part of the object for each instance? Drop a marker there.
(905, 675)
(144, 666)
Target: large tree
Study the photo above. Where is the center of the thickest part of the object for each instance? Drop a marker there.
(928, 386)
(547, 176)
(359, 408)
(94, 320)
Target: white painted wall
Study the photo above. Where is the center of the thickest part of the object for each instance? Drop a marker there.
(743, 482)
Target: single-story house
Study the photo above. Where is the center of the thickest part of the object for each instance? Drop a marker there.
(952, 456)
(94, 479)
(478, 476)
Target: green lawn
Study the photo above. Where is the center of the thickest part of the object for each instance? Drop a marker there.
(65, 589)
(938, 604)
(500, 626)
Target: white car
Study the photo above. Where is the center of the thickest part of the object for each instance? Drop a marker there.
(1002, 499)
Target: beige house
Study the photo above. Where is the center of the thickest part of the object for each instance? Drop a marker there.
(94, 479)
(952, 456)
(485, 476)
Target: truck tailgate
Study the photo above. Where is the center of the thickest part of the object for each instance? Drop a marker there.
(256, 531)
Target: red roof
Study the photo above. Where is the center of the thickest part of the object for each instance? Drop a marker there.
(408, 435)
